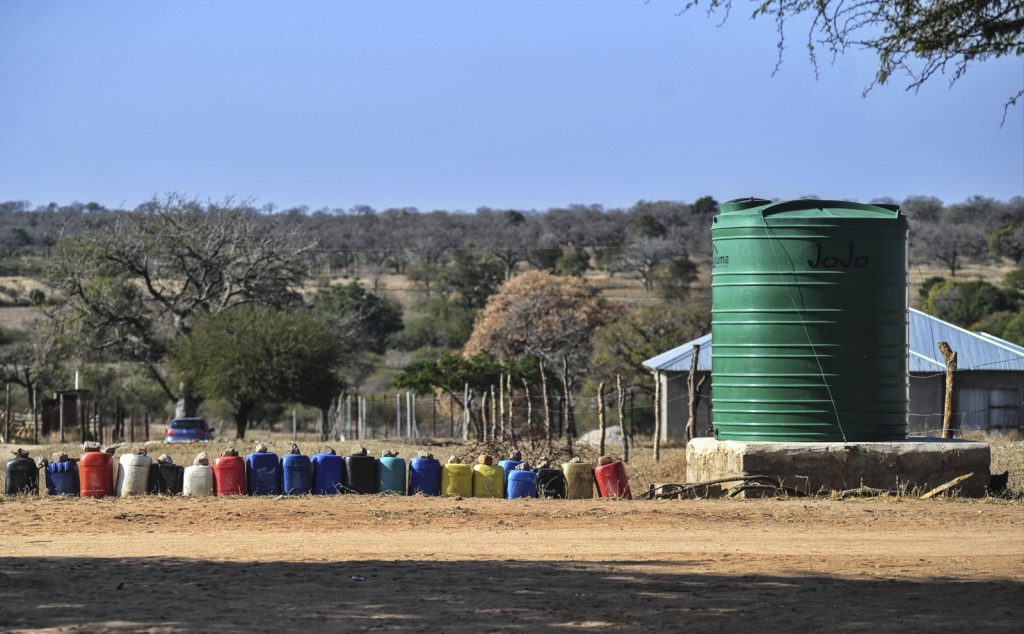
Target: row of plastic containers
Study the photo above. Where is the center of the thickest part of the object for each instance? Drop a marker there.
(262, 472)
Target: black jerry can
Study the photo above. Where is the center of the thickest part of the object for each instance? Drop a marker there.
(166, 479)
(22, 477)
(551, 483)
(361, 474)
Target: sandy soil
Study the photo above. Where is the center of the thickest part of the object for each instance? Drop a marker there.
(357, 563)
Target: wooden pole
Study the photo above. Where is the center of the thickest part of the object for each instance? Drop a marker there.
(948, 425)
(570, 418)
(35, 415)
(511, 403)
(398, 415)
(600, 417)
(7, 416)
(657, 417)
(60, 414)
(501, 405)
(547, 402)
(83, 414)
(529, 409)
(694, 387)
(483, 414)
(494, 414)
(621, 398)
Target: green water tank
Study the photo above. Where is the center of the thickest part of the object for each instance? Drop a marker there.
(809, 321)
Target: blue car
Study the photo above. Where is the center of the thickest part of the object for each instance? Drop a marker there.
(183, 429)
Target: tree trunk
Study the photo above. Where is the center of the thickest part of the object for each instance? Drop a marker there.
(188, 402)
(325, 422)
(242, 419)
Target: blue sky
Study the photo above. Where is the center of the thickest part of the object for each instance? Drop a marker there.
(455, 105)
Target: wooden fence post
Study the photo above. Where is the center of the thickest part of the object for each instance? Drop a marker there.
(949, 356)
(501, 406)
(511, 404)
(529, 409)
(657, 417)
(600, 417)
(7, 416)
(694, 387)
(621, 398)
(547, 402)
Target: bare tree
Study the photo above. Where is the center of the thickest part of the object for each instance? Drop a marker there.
(134, 287)
(31, 358)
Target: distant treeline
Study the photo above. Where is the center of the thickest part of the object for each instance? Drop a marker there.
(635, 241)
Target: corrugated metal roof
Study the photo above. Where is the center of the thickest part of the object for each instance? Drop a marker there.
(678, 359)
(974, 351)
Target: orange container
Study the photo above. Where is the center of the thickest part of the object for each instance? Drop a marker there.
(96, 472)
(229, 475)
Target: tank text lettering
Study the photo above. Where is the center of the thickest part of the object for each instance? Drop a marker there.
(831, 261)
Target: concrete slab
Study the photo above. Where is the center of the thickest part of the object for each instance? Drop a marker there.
(917, 463)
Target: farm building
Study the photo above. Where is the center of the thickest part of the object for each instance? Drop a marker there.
(989, 380)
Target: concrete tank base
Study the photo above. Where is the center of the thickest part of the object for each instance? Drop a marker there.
(914, 464)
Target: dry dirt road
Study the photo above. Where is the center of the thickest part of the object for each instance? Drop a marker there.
(443, 565)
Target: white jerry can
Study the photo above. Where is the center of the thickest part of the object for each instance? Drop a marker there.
(198, 480)
(132, 475)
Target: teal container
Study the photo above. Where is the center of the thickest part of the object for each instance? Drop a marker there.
(391, 475)
(809, 321)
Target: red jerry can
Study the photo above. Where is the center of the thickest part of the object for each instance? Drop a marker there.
(229, 475)
(96, 473)
(612, 481)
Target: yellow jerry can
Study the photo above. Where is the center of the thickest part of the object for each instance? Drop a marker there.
(488, 481)
(579, 479)
(456, 479)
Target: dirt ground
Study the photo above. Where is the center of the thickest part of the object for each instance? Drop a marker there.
(395, 563)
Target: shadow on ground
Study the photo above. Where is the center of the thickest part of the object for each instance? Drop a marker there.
(160, 594)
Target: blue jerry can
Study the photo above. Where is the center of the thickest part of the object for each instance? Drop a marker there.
(263, 473)
(425, 476)
(296, 474)
(522, 484)
(62, 478)
(328, 474)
